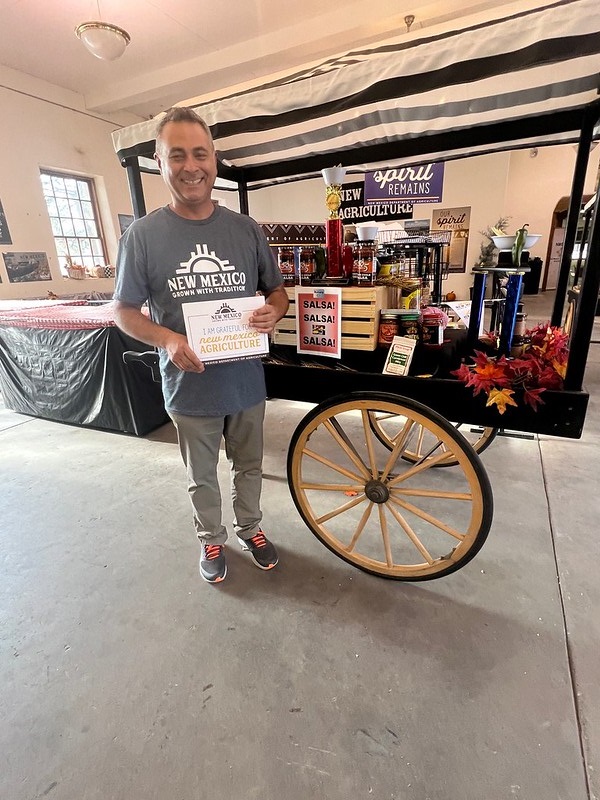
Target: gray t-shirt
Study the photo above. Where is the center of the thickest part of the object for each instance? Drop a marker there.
(168, 260)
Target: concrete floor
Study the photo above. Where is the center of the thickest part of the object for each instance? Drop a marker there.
(125, 676)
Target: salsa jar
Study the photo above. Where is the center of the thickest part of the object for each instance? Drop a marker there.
(388, 326)
(364, 264)
(286, 263)
(308, 264)
(408, 323)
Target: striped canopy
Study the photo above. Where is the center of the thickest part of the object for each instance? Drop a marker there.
(516, 76)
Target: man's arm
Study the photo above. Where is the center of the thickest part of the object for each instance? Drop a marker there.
(131, 320)
(276, 304)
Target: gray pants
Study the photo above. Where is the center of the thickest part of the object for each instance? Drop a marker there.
(199, 443)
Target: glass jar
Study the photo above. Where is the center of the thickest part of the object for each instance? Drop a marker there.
(285, 261)
(364, 264)
(388, 327)
(308, 264)
(411, 294)
(408, 323)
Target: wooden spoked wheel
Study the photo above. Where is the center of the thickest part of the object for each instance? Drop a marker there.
(374, 509)
(421, 441)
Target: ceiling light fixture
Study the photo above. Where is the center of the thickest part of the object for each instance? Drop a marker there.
(102, 39)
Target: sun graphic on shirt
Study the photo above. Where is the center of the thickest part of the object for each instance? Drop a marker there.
(204, 260)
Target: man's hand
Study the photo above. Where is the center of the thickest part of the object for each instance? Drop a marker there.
(265, 317)
(181, 354)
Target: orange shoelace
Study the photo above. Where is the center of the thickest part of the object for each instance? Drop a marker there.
(213, 551)
(259, 540)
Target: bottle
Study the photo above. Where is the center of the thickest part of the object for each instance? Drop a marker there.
(364, 267)
(307, 265)
(285, 260)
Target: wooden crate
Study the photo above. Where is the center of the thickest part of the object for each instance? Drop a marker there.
(360, 317)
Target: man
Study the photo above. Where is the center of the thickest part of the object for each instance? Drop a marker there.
(188, 251)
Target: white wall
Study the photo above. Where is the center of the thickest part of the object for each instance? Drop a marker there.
(45, 126)
(511, 184)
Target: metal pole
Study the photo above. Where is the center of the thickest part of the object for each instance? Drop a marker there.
(136, 190)
(243, 196)
(583, 154)
(585, 312)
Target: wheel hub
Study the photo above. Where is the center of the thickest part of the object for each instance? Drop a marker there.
(377, 491)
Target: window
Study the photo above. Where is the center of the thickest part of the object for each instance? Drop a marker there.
(74, 218)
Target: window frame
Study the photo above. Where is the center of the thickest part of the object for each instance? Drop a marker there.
(65, 261)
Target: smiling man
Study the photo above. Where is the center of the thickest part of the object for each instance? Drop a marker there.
(189, 251)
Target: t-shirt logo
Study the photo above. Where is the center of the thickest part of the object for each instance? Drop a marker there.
(204, 260)
(204, 273)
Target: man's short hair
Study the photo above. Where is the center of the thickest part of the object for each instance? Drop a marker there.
(182, 114)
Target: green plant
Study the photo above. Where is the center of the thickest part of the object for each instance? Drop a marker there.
(487, 248)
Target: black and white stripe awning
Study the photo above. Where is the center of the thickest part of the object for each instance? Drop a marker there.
(513, 77)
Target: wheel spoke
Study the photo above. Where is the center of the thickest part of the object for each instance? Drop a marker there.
(333, 487)
(411, 535)
(328, 463)
(360, 527)
(428, 518)
(433, 493)
(336, 430)
(427, 463)
(386, 536)
(341, 509)
(398, 447)
(369, 442)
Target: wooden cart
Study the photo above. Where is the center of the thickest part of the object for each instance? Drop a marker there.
(376, 470)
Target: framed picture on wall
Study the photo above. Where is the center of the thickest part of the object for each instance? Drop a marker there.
(22, 267)
(4, 232)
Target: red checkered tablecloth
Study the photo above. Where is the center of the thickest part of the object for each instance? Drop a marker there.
(56, 316)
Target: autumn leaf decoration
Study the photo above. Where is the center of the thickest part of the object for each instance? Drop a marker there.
(541, 366)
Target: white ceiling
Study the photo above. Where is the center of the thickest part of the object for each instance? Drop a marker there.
(188, 48)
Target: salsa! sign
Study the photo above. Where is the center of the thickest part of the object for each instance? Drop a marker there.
(319, 321)
(422, 184)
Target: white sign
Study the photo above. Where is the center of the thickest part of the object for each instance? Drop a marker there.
(218, 330)
(399, 356)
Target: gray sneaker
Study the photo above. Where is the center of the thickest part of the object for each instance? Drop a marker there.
(212, 562)
(261, 549)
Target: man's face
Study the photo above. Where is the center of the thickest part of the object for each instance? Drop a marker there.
(188, 165)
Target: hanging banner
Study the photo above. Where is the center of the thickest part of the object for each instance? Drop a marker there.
(458, 222)
(319, 321)
(355, 210)
(423, 184)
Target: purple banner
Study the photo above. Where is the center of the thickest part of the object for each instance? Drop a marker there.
(423, 184)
